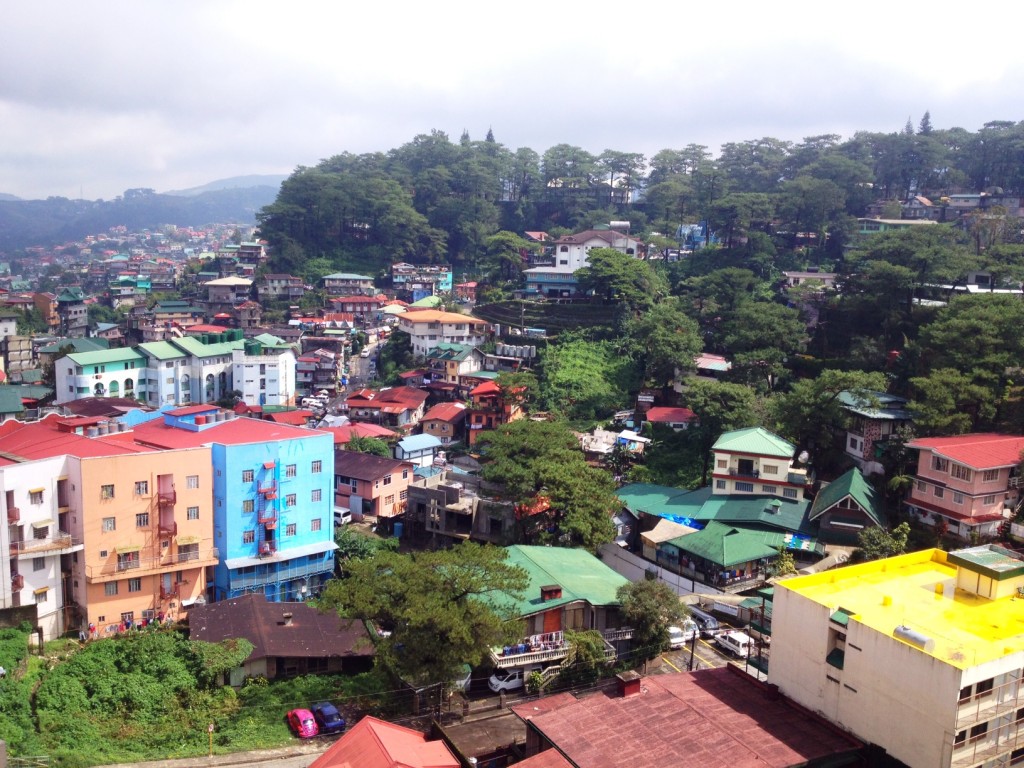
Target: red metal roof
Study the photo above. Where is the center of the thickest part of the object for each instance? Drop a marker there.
(713, 718)
(979, 451)
(487, 388)
(233, 432)
(297, 418)
(373, 743)
(360, 429)
(446, 412)
(662, 415)
(188, 410)
(43, 439)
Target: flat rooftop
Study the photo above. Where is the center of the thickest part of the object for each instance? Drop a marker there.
(917, 590)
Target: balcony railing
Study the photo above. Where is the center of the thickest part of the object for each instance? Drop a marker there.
(1014, 482)
(166, 529)
(169, 594)
(550, 646)
(261, 575)
(13, 515)
(167, 498)
(188, 558)
(59, 540)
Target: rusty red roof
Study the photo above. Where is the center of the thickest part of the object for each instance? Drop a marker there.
(446, 412)
(44, 439)
(359, 429)
(374, 743)
(662, 415)
(979, 451)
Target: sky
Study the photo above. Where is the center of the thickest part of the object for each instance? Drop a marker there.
(99, 97)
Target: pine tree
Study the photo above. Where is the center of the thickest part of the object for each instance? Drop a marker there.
(925, 128)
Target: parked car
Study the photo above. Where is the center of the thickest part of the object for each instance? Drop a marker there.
(736, 643)
(342, 516)
(680, 636)
(506, 680)
(302, 723)
(328, 718)
(708, 624)
(366, 352)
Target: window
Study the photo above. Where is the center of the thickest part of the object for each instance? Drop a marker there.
(387, 479)
(984, 688)
(106, 491)
(38, 563)
(939, 464)
(248, 505)
(939, 492)
(960, 472)
(141, 487)
(789, 493)
(745, 487)
(720, 485)
(289, 530)
(188, 552)
(405, 474)
(248, 537)
(990, 475)
(142, 520)
(314, 525)
(317, 467)
(127, 560)
(289, 470)
(769, 489)
(389, 500)
(193, 513)
(35, 497)
(922, 487)
(723, 463)
(134, 585)
(289, 500)
(247, 476)
(109, 524)
(315, 496)
(978, 731)
(41, 595)
(959, 739)
(192, 482)
(110, 589)
(403, 495)
(770, 469)
(989, 500)
(958, 498)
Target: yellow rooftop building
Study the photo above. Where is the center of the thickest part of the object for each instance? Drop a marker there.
(921, 654)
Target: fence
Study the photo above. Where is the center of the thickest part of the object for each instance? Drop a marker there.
(635, 568)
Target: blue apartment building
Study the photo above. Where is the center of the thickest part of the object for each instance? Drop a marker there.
(272, 499)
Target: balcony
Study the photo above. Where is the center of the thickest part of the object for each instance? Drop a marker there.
(275, 573)
(110, 571)
(59, 541)
(167, 529)
(169, 594)
(268, 489)
(13, 515)
(167, 498)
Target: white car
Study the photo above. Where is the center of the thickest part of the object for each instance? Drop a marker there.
(737, 643)
(366, 352)
(506, 680)
(680, 636)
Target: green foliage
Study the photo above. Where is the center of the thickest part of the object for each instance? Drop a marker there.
(586, 662)
(353, 544)
(585, 380)
(434, 604)
(619, 277)
(650, 607)
(784, 564)
(373, 445)
(666, 340)
(876, 543)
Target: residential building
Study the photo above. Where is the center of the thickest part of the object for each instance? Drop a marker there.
(226, 293)
(17, 352)
(380, 744)
(372, 486)
(448, 506)
(571, 254)
(263, 370)
(725, 717)
(449, 361)
(445, 421)
(919, 654)
(316, 370)
(347, 283)
(756, 461)
(467, 291)
(675, 419)
(418, 449)
(272, 518)
(288, 638)
(416, 281)
(399, 408)
(109, 372)
(363, 308)
(248, 314)
(278, 287)
(8, 324)
(489, 408)
(46, 306)
(845, 507)
(967, 484)
(874, 419)
(73, 313)
(873, 226)
(429, 327)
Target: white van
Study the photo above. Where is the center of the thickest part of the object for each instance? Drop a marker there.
(680, 636)
(342, 516)
(736, 643)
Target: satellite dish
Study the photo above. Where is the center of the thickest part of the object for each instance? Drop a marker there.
(803, 457)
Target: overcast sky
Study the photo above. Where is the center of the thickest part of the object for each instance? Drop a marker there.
(99, 97)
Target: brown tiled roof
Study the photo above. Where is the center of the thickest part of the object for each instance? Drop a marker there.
(365, 466)
(311, 634)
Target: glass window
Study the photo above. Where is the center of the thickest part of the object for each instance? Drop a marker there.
(939, 491)
(289, 530)
(314, 525)
(141, 487)
(106, 491)
(142, 520)
(989, 500)
(248, 505)
(110, 588)
(289, 470)
(109, 524)
(38, 563)
(248, 537)
(770, 469)
(193, 513)
(789, 493)
(958, 498)
(990, 475)
(720, 485)
(769, 489)
(961, 472)
(35, 497)
(134, 585)
(317, 466)
(289, 500)
(247, 475)
(41, 596)
(192, 482)
(188, 552)
(745, 487)
(316, 495)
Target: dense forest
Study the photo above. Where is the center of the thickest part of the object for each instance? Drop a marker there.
(438, 200)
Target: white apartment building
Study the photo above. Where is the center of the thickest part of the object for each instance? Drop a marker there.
(430, 327)
(265, 375)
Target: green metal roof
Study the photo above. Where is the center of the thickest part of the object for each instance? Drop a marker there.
(448, 351)
(427, 301)
(194, 346)
(755, 440)
(875, 405)
(580, 575)
(77, 345)
(104, 356)
(726, 545)
(663, 501)
(854, 485)
(992, 560)
(161, 350)
(10, 400)
(766, 512)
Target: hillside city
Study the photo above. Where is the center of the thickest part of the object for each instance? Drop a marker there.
(456, 456)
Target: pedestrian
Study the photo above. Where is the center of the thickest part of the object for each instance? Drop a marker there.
(81, 635)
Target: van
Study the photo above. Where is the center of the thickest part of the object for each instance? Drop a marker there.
(342, 516)
(736, 643)
(708, 624)
(680, 636)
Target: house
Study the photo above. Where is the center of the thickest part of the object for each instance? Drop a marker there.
(372, 486)
(449, 361)
(263, 370)
(102, 532)
(568, 589)
(429, 327)
(874, 419)
(718, 717)
(279, 287)
(373, 743)
(73, 312)
(967, 484)
(489, 408)
(271, 491)
(399, 408)
(226, 293)
(445, 421)
(818, 280)
(846, 507)
(872, 226)
(248, 314)
(467, 291)
(349, 284)
(712, 366)
(756, 461)
(418, 449)
(342, 435)
(919, 207)
(930, 641)
(676, 419)
(317, 369)
(416, 281)
(570, 251)
(362, 307)
(288, 638)
(17, 352)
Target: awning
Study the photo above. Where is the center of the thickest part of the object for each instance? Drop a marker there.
(40, 591)
(269, 465)
(282, 555)
(41, 523)
(36, 490)
(127, 549)
(189, 539)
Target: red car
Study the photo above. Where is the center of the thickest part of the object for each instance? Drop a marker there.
(302, 723)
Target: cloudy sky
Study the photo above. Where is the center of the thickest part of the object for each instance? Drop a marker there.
(98, 97)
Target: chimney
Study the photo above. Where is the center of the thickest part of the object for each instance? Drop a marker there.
(628, 683)
(288, 619)
(550, 592)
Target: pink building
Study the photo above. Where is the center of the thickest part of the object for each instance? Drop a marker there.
(967, 482)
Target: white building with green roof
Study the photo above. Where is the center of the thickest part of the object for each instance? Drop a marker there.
(756, 461)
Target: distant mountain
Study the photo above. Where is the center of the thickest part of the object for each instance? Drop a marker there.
(5, 196)
(58, 220)
(235, 182)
